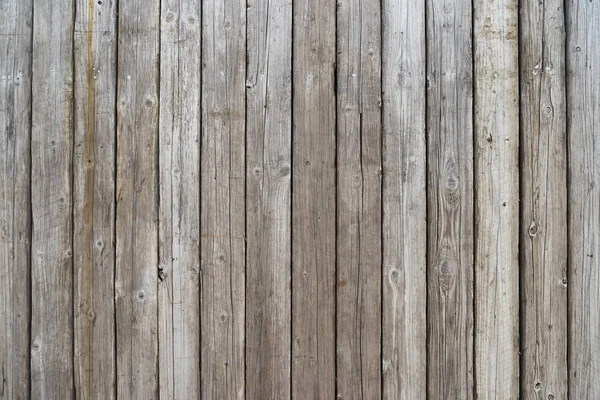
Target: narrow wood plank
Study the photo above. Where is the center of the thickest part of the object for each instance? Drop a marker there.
(222, 198)
(51, 202)
(496, 199)
(179, 216)
(583, 119)
(404, 202)
(450, 199)
(94, 198)
(543, 226)
(137, 200)
(15, 211)
(358, 314)
(268, 199)
(313, 201)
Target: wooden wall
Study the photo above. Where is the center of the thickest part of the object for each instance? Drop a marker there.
(267, 199)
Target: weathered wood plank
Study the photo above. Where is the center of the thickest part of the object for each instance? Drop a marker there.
(268, 199)
(179, 216)
(15, 211)
(223, 199)
(94, 172)
(51, 202)
(496, 199)
(583, 119)
(313, 201)
(543, 242)
(137, 200)
(404, 202)
(358, 314)
(450, 199)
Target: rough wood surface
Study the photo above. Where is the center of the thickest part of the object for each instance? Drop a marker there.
(268, 199)
(583, 97)
(15, 200)
(51, 185)
(496, 199)
(313, 201)
(179, 215)
(222, 198)
(358, 313)
(94, 172)
(450, 199)
(137, 200)
(543, 242)
(404, 211)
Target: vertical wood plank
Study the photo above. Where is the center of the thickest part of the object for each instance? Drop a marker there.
(404, 202)
(223, 198)
(543, 226)
(583, 119)
(179, 216)
(268, 199)
(358, 311)
(15, 212)
(497, 199)
(93, 198)
(313, 201)
(51, 201)
(450, 199)
(137, 200)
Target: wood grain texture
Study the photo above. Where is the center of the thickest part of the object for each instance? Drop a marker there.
(543, 226)
(358, 313)
(268, 199)
(404, 351)
(94, 171)
(450, 199)
(222, 198)
(15, 197)
(51, 202)
(583, 119)
(137, 200)
(179, 192)
(496, 199)
(313, 201)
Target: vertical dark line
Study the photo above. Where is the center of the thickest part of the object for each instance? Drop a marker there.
(114, 225)
(520, 205)
(201, 128)
(157, 191)
(291, 375)
(474, 199)
(568, 271)
(71, 194)
(30, 211)
(427, 217)
(246, 202)
(381, 198)
(335, 168)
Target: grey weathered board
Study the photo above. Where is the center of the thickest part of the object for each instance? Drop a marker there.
(269, 199)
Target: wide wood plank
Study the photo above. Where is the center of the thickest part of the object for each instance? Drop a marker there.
(222, 198)
(450, 199)
(137, 200)
(179, 217)
(543, 225)
(51, 202)
(358, 314)
(496, 199)
(94, 198)
(313, 201)
(268, 199)
(404, 202)
(15, 210)
(583, 99)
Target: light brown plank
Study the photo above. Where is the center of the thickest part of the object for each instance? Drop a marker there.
(137, 200)
(358, 314)
(268, 199)
(313, 201)
(496, 199)
(222, 198)
(404, 202)
(543, 226)
(15, 211)
(583, 118)
(51, 202)
(450, 199)
(93, 198)
(179, 216)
